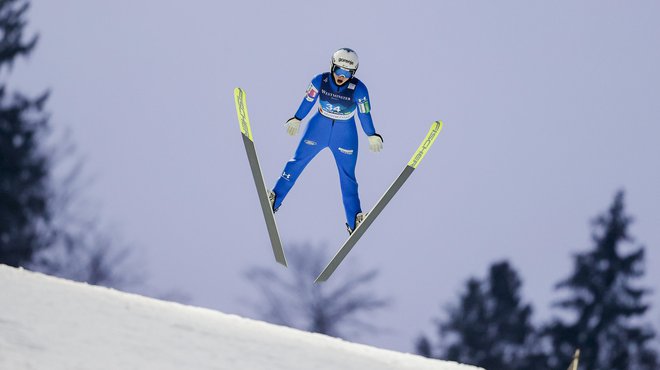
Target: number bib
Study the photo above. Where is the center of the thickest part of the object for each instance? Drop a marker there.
(339, 105)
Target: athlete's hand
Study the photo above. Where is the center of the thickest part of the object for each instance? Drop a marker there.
(292, 126)
(375, 143)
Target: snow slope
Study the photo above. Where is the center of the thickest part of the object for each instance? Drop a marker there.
(55, 324)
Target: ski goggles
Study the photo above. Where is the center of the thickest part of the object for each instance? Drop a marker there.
(343, 72)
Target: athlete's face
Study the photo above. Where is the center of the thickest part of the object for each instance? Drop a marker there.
(342, 75)
(339, 79)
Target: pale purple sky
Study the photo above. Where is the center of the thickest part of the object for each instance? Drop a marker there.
(549, 109)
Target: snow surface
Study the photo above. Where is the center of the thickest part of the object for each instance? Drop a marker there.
(56, 324)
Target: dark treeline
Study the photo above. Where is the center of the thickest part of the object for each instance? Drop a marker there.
(25, 214)
(601, 312)
(42, 227)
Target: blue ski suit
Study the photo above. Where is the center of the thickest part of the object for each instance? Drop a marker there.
(333, 126)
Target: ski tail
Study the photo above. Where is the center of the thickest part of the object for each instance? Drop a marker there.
(382, 202)
(257, 175)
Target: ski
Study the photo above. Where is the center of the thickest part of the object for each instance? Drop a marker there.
(262, 191)
(382, 202)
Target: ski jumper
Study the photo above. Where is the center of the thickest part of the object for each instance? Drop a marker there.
(333, 126)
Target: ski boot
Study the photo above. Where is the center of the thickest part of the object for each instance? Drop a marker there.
(271, 198)
(358, 220)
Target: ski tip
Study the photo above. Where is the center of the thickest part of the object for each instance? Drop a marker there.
(239, 94)
(241, 110)
(426, 144)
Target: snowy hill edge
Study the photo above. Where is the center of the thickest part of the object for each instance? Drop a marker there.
(51, 323)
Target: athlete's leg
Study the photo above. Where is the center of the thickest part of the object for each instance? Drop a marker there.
(344, 146)
(314, 139)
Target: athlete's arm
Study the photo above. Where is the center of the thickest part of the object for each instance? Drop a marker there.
(364, 109)
(310, 98)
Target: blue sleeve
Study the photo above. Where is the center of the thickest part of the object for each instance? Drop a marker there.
(364, 109)
(310, 98)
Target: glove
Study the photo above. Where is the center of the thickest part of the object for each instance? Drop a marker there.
(292, 126)
(375, 143)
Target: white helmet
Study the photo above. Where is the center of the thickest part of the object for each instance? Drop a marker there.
(345, 58)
